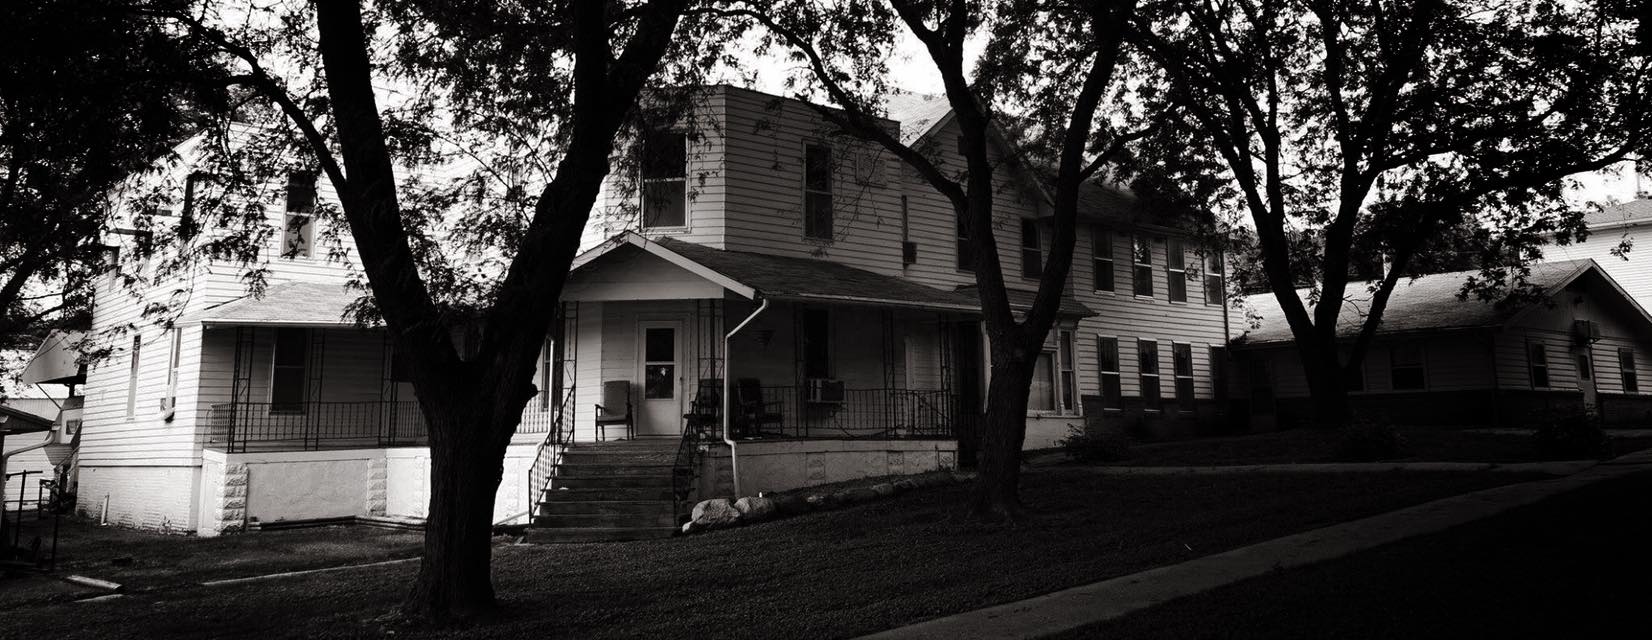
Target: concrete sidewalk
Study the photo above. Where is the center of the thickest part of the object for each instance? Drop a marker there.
(1072, 608)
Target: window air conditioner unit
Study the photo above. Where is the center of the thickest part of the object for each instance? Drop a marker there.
(824, 391)
(1586, 330)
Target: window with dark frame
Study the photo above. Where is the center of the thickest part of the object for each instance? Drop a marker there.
(1175, 268)
(1142, 255)
(1032, 250)
(1107, 358)
(966, 249)
(1626, 368)
(1181, 365)
(1406, 368)
(298, 225)
(289, 364)
(1215, 278)
(1147, 362)
(1069, 376)
(1585, 365)
(665, 180)
(1101, 242)
(817, 192)
(1537, 363)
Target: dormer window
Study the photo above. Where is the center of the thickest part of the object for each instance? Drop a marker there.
(665, 180)
(298, 225)
(817, 192)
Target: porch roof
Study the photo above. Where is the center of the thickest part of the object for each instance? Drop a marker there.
(1021, 300)
(290, 304)
(783, 278)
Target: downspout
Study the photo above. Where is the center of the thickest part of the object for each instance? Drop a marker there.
(728, 435)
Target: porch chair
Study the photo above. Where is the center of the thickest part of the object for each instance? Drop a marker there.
(707, 409)
(615, 408)
(752, 412)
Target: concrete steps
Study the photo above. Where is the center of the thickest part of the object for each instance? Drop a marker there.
(608, 492)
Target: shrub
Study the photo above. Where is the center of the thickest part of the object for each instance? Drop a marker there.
(1571, 435)
(1092, 445)
(1370, 441)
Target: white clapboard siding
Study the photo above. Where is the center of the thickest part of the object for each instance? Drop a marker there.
(1633, 271)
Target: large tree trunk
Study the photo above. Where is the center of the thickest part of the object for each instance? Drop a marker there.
(455, 579)
(996, 494)
(1327, 385)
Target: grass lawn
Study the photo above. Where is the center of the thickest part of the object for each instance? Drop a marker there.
(1296, 446)
(1573, 566)
(147, 561)
(827, 574)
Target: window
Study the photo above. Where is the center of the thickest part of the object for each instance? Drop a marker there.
(1215, 278)
(1107, 356)
(1181, 365)
(1041, 395)
(298, 226)
(187, 228)
(1069, 377)
(1143, 255)
(1147, 361)
(172, 370)
(1537, 362)
(288, 371)
(1406, 368)
(1032, 250)
(966, 250)
(132, 377)
(659, 354)
(817, 192)
(817, 344)
(1585, 366)
(909, 249)
(1626, 368)
(1101, 242)
(1175, 265)
(301, 192)
(665, 180)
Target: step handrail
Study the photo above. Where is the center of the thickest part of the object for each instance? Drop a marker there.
(556, 441)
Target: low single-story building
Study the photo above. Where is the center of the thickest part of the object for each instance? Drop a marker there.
(1440, 360)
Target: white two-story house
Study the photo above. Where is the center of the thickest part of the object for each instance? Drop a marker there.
(803, 289)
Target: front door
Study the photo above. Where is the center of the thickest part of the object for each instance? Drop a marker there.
(1585, 374)
(659, 363)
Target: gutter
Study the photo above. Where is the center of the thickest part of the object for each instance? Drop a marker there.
(728, 435)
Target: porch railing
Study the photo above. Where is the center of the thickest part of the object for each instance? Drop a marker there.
(313, 426)
(788, 412)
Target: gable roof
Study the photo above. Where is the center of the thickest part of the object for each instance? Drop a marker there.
(1424, 304)
(918, 113)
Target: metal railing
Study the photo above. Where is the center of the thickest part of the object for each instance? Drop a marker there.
(312, 426)
(787, 412)
(558, 434)
(22, 537)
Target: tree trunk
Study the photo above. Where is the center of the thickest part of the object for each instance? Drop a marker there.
(455, 575)
(1327, 386)
(997, 495)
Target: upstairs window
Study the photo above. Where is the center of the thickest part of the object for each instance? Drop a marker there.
(665, 180)
(1215, 278)
(1181, 364)
(1107, 357)
(1537, 362)
(1406, 368)
(1175, 266)
(289, 371)
(1101, 242)
(1147, 362)
(298, 225)
(1143, 256)
(1626, 368)
(817, 192)
(1032, 250)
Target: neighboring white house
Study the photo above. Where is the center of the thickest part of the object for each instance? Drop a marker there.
(1626, 225)
(1437, 360)
(864, 353)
